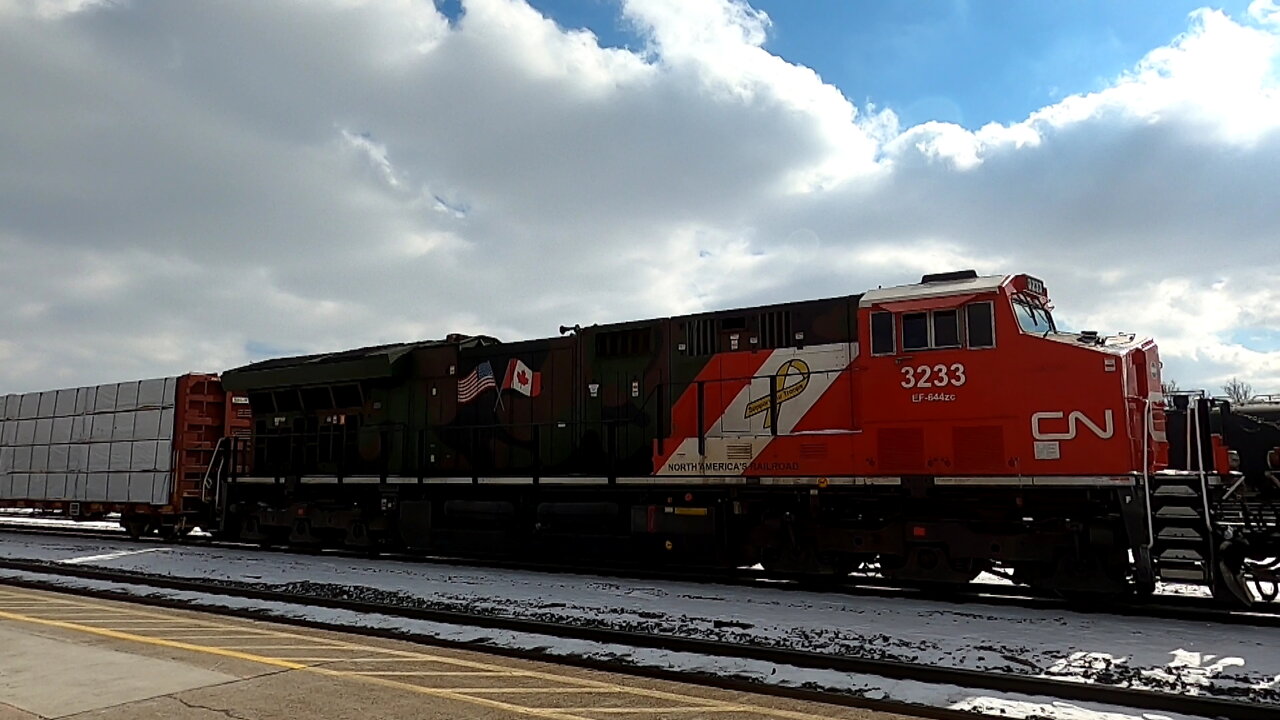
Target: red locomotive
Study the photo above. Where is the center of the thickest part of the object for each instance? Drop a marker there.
(931, 431)
(962, 379)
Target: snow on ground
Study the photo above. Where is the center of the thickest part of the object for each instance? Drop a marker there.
(1172, 656)
(32, 518)
(868, 686)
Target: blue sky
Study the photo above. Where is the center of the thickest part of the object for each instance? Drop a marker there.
(964, 62)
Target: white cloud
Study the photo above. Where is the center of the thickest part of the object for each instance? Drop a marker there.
(1265, 12)
(182, 186)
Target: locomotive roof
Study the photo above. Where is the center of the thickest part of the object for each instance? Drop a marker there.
(985, 283)
(344, 365)
(742, 310)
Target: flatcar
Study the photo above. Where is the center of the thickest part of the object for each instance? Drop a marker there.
(141, 450)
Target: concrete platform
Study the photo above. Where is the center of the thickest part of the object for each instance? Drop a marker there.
(64, 656)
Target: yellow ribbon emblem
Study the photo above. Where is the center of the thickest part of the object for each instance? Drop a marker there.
(794, 371)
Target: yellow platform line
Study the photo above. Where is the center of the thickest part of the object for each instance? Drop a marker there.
(435, 673)
(57, 606)
(668, 709)
(45, 607)
(238, 646)
(78, 617)
(315, 660)
(143, 639)
(538, 690)
(176, 624)
(291, 665)
(216, 636)
(383, 659)
(405, 656)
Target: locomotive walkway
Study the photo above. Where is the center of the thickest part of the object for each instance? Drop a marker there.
(65, 655)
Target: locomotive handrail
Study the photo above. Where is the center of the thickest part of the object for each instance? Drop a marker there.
(271, 465)
(1146, 470)
(205, 483)
(1204, 485)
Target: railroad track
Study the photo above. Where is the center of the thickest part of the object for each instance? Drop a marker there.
(1163, 607)
(47, 576)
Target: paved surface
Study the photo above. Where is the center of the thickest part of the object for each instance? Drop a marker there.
(66, 656)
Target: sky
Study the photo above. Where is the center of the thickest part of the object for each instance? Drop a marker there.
(191, 187)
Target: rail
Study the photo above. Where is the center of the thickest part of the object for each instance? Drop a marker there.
(862, 584)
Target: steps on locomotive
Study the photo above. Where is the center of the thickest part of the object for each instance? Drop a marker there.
(1182, 546)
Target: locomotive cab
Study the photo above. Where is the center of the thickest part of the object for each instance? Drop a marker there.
(986, 409)
(971, 378)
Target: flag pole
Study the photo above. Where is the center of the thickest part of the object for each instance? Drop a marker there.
(497, 388)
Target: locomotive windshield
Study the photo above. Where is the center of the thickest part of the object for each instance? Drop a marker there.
(1033, 317)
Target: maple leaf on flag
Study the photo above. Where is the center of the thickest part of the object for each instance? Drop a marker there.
(522, 379)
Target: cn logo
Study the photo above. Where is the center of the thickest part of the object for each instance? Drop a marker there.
(1074, 419)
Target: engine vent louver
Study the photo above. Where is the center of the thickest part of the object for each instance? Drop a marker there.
(900, 450)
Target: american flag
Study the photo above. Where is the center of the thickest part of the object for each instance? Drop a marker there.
(480, 379)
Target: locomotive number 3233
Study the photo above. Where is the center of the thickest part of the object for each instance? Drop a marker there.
(924, 376)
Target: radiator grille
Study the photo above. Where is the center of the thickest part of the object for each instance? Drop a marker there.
(901, 450)
(978, 449)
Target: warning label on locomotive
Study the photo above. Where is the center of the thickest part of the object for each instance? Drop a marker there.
(696, 467)
(1048, 450)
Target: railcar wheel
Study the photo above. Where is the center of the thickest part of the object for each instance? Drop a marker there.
(135, 528)
(173, 533)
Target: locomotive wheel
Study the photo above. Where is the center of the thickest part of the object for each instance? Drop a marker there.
(251, 530)
(793, 561)
(930, 567)
(1104, 575)
(359, 538)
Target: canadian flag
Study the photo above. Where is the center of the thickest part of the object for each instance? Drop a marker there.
(521, 379)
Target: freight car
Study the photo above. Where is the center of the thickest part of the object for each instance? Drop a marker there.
(934, 430)
(140, 449)
(1228, 521)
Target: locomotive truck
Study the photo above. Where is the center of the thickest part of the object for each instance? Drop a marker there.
(931, 431)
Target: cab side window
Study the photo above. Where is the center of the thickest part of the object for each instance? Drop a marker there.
(915, 331)
(946, 328)
(882, 334)
(926, 330)
(979, 322)
(971, 326)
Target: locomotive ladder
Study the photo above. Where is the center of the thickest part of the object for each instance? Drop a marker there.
(1182, 546)
(1181, 524)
